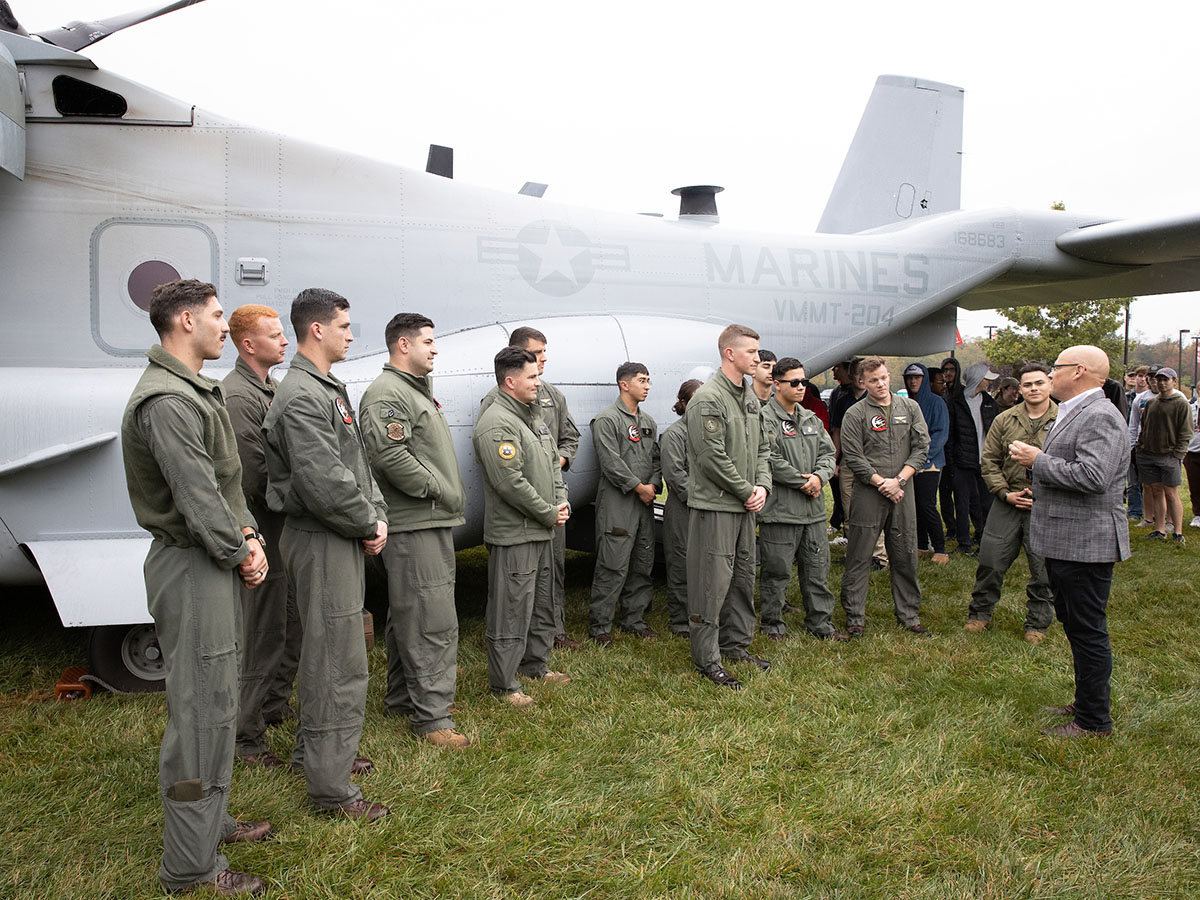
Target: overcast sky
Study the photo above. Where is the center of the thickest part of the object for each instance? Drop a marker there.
(616, 103)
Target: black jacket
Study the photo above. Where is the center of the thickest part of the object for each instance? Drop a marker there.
(962, 447)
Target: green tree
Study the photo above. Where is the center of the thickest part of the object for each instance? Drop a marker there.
(1041, 332)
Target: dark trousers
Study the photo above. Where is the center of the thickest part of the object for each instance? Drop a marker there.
(1191, 465)
(929, 524)
(972, 500)
(1081, 601)
(946, 499)
(839, 514)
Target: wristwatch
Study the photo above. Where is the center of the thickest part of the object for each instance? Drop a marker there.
(901, 481)
(258, 537)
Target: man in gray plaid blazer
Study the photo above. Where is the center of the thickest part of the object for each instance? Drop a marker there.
(1079, 524)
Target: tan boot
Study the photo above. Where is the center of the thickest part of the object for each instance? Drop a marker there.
(553, 677)
(975, 625)
(1034, 637)
(447, 739)
(518, 699)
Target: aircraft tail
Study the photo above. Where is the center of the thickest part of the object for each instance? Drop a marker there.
(905, 160)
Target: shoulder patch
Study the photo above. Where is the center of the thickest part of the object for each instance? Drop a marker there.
(395, 431)
(343, 410)
(506, 450)
(712, 425)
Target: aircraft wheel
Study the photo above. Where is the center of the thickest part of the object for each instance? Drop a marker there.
(127, 657)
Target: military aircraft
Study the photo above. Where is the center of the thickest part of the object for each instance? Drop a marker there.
(110, 188)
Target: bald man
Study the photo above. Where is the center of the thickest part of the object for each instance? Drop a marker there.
(1079, 525)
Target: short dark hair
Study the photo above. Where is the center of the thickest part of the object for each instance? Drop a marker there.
(785, 365)
(315, 305)
(1032, 367)
(766, 356)
(511, 359)
(523, 336)
(404, 325)
(172, 298)
(626, 371)
(686, 390)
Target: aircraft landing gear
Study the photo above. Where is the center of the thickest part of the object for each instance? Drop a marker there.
(127, 658)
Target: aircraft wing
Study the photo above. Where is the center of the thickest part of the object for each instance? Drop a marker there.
(1131, 258)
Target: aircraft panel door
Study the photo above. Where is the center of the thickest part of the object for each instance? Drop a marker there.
(12, 117)
(130, 257)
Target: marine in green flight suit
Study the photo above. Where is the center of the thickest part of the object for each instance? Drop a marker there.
(257, 334)
(319, 478)
(884, 443)
(553, 407)
(185, 485)
(791, 527)
(412, 455)
(729, 477)
(626, 442)
(672, 451)
(524, 501)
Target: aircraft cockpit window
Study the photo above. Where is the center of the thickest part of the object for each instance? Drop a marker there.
(73, 97)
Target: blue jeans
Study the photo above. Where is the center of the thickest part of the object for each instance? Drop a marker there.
(1133, 493)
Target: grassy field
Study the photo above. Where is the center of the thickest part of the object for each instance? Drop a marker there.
(892, 767)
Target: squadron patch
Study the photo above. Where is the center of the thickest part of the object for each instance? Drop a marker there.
(343, 410)
(878, 423)
(547, 402)
(647, 432)
(635, 433)
(395, 431)
(789, 429)
(712, 426)
(506, 450)
(752, 407)
(810, 429)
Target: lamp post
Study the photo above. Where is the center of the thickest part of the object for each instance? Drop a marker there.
(1195, 361)
(1182, 332)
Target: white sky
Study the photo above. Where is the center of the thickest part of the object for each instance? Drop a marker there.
(615, 103)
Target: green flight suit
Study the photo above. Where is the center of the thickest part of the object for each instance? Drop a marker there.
(522, 488)
(627, 450)
(412, 456)
(728, 454)
(1007, 529)
(672, 450)
(319, 478)
(185, 484)
(882, 440)
(791, 527)
(553, 406)
(265, 608)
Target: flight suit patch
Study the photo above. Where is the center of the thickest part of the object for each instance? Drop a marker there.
(899, 420)
(712, 425)
(507, 450)
(647, 432)
(635, 433)
(878, 423)
(752, 407)
(809, 429)
(546, 402)
(789, 429)
(389, 413)
(343, 410)
(395, 431)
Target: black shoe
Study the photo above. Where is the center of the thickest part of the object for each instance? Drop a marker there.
(686, 635)
(604, 638)
(855, 631)
(718, 676)
(919, 629)
(286, 714)
(877, 566)
(1155, 536)
(747, 658)
(646, 634)
(775, 637)
(831, 636)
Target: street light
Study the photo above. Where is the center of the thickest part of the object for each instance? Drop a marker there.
(1182, 332)
(1195, 361)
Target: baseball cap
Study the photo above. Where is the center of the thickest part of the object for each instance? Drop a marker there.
(913, 369)
(1166, 372)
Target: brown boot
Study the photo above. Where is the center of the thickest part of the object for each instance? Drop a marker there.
(228, 883)
(247, 833)
(447, 739)
(361, 809)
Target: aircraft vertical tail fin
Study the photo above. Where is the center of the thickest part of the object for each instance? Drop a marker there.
(905, 160)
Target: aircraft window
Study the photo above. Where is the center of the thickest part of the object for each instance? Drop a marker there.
(73, 97)
(146, 277)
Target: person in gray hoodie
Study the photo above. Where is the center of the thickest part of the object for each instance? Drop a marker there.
(931, 540)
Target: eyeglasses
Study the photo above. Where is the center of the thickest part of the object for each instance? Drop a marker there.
(641, 379)
(794, 382)
(1066, 365)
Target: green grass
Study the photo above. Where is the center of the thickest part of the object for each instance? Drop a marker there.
(892, 767)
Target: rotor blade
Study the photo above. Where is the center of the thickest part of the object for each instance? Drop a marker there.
(533, 189)
(441, 161)
(78, 35)
(8, 22)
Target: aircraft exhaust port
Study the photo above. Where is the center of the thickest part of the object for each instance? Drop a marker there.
(126, 658)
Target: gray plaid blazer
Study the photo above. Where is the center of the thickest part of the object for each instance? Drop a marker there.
(1078, 486)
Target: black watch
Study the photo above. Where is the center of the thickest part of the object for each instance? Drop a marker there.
(258, 537)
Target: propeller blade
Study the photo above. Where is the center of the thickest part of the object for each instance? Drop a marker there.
(78, 35)
(441, 161)
(8, 22)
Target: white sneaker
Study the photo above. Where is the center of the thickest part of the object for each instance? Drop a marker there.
(1145, 523)
(1195, 523)
(839, 541)
(1170, 528)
